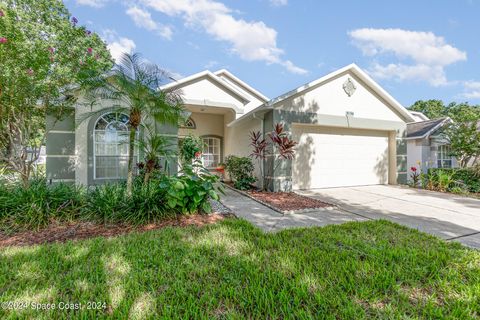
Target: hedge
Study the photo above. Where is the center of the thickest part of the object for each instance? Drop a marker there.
(464, 175)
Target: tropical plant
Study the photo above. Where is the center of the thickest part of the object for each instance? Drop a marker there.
(43, 54)
(190, 148)
(134, 88)
(190, 191)
(278, 145)
(154, 147)
(240, 170)
(415, 175)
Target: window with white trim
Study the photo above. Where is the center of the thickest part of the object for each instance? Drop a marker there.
(211, 152)
(444, 159)
(110, 150)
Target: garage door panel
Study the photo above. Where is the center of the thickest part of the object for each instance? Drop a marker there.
(337, 157)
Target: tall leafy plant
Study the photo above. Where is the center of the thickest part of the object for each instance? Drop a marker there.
(277, 145)
(133, 87)
(44, 52)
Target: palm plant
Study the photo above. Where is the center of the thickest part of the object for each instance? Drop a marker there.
(154, 147)
(133, 87)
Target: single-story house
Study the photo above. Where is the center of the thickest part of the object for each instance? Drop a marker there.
(427, 146)
(350, 131)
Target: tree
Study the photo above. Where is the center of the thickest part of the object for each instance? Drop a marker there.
(433, 109)
(43, 54)
(133, 87)
(464, 133)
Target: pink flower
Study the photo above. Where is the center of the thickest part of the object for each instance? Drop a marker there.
(30, 72)
(1, 13)
(198, 154)
(414, 169)
(3, 40)
(89, 50)
(51, 49)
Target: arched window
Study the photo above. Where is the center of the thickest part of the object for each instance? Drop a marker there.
(189, 124)
(111, 146)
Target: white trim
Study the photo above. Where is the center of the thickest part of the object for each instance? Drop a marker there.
(210, 103)
(61, 180)
(359, 73)
(242, 83)
(209, 75)
(60, 131)
(61, 156)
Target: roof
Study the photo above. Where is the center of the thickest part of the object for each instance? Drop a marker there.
(208, 74)
(419, 116)
(420, 130)
(241, 83)
(352, 68)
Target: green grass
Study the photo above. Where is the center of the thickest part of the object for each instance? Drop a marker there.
(373, 269)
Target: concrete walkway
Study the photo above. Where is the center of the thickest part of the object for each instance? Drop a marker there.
(447, 216)
(270, 220)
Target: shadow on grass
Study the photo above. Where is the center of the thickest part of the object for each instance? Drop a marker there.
(231, 269)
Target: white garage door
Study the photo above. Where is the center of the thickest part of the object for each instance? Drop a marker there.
(336, 157)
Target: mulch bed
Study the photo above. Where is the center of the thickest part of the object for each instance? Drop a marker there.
(83, 230)
(288, 201)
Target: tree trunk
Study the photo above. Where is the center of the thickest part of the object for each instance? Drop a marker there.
(131, 148)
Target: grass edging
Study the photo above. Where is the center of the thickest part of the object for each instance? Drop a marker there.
(299, 211)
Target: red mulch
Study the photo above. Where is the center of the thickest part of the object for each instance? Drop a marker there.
(83, 230)
(286, 201)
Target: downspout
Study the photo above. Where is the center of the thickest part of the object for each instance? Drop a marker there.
(262, 164)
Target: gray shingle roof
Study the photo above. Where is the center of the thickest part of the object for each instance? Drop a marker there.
(419, 129)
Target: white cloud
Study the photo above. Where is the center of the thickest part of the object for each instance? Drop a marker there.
(143, 19)
(250, 40)
(428, 54)
(472, 90)
(92, 3)
(278, 3)
(118, 45)
(211, 64)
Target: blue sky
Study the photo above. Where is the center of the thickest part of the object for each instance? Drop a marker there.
(414, 49)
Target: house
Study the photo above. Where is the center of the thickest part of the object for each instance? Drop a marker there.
(427, 147)
(350, 132)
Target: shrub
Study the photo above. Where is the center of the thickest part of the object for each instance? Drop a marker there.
(191, 190)
(240, 170)
(190, 147)
(465, 177)
(37, 205)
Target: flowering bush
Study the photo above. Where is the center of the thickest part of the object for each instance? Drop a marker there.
(415, 175)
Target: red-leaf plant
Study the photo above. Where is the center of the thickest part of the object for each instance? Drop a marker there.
(278, 141)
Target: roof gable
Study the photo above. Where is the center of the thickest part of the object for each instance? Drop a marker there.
(361, 77)
(423, 129)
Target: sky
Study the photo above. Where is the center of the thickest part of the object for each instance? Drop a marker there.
(415, 50)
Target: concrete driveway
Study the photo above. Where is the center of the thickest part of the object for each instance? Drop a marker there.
(448, 216)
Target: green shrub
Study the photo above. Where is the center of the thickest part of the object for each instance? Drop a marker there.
(190, 147)
(37, 205)
(191, 190)
(462, 177)
(240, 170)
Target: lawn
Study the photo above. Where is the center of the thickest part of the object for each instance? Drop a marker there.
(373, 269)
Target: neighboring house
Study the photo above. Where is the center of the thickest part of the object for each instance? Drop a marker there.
(350, 132)
(427, 147)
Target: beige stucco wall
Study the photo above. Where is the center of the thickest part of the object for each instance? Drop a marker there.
(206, 89)
(330, 99)
(206, 124)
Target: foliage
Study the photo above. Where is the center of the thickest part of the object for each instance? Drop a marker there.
(278, 144)
(190, 191)
(415, 175)
(433, 109)
(232, 270)
(39, 204)
(465, 178)
(133, 87)
(43, 54)
(190, 148)
(240, 170)
(154, 147)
